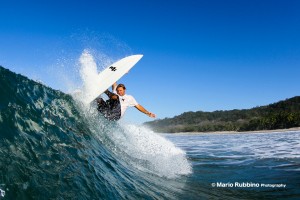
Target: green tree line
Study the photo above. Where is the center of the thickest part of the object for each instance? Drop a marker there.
(280, 115)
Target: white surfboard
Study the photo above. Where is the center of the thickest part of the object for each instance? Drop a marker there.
(111, 74)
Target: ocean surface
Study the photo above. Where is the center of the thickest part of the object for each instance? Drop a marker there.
(241, 166)
(54, 147)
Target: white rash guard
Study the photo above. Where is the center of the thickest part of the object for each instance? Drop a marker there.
(126, 101)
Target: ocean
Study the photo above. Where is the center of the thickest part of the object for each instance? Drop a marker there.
(241, 165)
(53, 147)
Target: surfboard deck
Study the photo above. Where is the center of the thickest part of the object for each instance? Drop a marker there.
(112, 74)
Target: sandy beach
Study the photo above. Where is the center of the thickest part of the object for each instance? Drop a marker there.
(245, 132)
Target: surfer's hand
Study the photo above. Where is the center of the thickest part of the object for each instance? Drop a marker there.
(151, 115)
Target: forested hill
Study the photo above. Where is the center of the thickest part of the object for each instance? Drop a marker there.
(283, 114)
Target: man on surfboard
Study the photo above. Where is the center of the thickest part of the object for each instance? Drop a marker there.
(115, 107)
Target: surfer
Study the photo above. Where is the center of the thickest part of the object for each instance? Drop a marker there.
(115, 107)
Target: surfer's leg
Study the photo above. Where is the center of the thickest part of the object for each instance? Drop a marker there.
(115, 109)
(110, 109)
(102, 105)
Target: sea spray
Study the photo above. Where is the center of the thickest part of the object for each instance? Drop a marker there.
(88, 74)
(152, 151)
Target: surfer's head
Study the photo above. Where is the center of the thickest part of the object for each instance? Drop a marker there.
(121, 89)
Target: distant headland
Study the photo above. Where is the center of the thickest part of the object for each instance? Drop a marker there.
(280, 115)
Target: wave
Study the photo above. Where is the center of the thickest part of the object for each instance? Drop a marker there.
(52, 146)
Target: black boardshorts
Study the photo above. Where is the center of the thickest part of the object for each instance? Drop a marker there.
(110, 109)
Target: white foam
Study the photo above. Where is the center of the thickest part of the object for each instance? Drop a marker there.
(281, 145)
(88, 73)
(89, 69)
(152, 152)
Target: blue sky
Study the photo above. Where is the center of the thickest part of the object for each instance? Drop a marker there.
(198, 55)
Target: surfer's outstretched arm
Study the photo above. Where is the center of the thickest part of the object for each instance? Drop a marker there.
(143, 110)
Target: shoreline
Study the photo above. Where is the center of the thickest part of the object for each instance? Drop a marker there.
(236, 132)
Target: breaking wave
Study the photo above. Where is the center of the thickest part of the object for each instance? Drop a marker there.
(54, 147)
